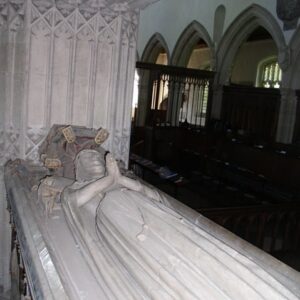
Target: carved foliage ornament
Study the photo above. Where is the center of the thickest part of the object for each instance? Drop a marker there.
(43, 5)
(288, 11)
(12, 13)
(129, 27)
(88, 18)
(65, 7)
(87, 8)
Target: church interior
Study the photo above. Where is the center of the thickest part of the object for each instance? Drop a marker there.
(200, 98)
(214, 124)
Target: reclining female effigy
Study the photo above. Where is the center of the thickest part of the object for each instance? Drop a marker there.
(138, 243)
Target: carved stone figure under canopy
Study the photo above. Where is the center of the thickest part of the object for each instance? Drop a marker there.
(108, 236)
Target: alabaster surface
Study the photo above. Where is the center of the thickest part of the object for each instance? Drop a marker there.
(66, 62)
(103, 235)
(150, 250)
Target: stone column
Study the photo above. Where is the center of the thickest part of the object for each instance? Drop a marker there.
(12, 71)
(217, 98)
(79, 70)
(67, 62)
(288, 103)
(287, 116)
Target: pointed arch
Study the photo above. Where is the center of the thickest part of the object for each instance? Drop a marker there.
(294, 45)
(251, 18)
(219, 21)
(186, 42)
(153, 48)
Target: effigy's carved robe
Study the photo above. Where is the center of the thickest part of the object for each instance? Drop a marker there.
(141, 249)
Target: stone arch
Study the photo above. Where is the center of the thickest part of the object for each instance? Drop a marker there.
(186, 42)
(153, 48)
(294, 46)
(289, 123)
(219, 21)
(237, 33)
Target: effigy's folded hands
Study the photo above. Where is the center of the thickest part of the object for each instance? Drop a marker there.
(112, 168)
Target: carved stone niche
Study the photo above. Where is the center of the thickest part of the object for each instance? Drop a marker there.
(288, 11)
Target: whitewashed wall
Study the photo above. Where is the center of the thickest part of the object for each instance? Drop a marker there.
(69, 62)
(248, 58)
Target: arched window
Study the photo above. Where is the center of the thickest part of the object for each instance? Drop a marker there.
(162, 58)
(269, 74)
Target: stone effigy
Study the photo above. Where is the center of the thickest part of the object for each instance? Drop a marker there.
(135, 242)
(58, 153)
(150, 250)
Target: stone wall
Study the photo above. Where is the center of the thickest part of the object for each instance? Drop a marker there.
(66, 62)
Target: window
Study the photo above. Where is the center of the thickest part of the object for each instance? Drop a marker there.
(269, 74)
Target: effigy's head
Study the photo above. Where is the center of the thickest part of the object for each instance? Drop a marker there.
(89, 165)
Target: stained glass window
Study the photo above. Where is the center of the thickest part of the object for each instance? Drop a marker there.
(271, 75)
